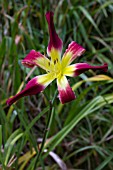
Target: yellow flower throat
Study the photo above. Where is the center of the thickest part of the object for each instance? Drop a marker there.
(55, 65)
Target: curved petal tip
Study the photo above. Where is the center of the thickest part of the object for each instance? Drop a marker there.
(49, 15)
(32, 88)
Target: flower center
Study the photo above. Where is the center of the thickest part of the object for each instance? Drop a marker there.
(55, 68)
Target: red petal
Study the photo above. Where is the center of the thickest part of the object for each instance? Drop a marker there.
(65, 91)
(82, 67)
(55, 41)
(35, 58)
(32, 88)
(72, 52)
(31, 58)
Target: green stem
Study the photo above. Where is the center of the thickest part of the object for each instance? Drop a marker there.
(50, 117)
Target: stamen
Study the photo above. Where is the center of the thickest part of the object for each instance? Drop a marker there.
(55, 62)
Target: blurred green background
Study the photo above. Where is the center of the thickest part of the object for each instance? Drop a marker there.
(80, 133)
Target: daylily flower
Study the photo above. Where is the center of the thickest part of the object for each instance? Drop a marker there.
(56, 67)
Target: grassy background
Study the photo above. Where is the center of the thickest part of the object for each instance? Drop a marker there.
(78, 135)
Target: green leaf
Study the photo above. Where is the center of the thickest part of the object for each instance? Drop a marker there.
(84, 33)
(10, 144)
(105, 162)
(94, 105)
(89, 17)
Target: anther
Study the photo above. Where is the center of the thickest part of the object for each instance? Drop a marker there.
(54, 61)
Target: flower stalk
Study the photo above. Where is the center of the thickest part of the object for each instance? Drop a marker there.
(47, 128)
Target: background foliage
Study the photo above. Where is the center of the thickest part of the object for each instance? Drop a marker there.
(79, 134)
